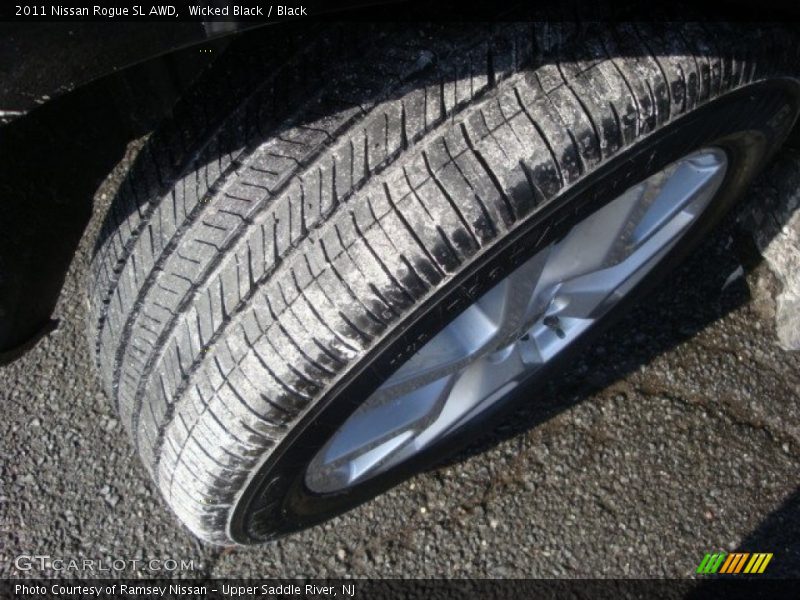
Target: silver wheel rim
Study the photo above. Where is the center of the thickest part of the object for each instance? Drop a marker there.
(519, 325)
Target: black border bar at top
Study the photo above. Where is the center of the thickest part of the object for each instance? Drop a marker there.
(267, 11)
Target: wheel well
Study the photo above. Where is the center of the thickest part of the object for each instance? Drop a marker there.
(57, 156)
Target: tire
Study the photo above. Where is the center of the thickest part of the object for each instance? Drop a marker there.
(299, 228)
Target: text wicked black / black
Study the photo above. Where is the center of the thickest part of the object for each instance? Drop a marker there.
(227, 11)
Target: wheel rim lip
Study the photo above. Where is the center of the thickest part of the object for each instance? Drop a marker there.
(363, 465)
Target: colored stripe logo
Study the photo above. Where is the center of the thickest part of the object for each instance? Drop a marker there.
(734, 563)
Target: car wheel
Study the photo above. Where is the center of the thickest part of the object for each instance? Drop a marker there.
(345, 275)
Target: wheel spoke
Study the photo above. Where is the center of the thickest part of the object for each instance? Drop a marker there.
(516, 292)
(472, 389)
(445, 354)
(593, 243)
(689, 184)
(496, 316)
(379, 432)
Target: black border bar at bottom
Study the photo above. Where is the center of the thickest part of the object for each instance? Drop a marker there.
(391, 589)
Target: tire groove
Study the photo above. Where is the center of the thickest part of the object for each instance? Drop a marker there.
(145, 376)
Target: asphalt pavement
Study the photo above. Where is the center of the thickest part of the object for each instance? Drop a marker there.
(678, 434)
